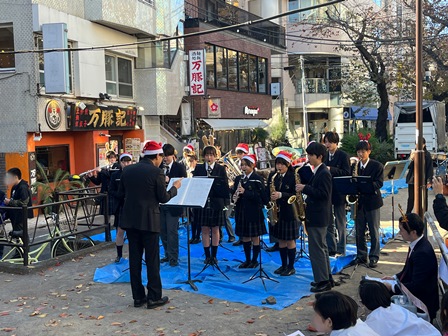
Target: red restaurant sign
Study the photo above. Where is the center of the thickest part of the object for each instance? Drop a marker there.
(94, 117)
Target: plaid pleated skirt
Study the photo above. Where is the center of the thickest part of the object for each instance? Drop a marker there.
(286, 230)
(209, 217)
(249, 224)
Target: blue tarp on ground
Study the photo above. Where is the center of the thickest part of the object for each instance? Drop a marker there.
(386, 190)
(287, 291)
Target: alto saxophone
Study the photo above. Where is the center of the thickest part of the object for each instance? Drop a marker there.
(297, 200)
(353, 199)
(272, 206)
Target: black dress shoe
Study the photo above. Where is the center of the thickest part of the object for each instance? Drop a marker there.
(164, 260)
(288, 272)
(139, 303)
(357, 261)
(273, 248)
(253, 264)
(373, 263)
(244, 264)
(207, 261)
(154, 304)
(231, 240)
(237, 243)
(174, 263)
(332, 253)
(214, 261)
(321, 287)
(280, 270)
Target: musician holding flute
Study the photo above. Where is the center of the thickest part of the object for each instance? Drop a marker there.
(249, 196)
(285, 225)
(318, 214)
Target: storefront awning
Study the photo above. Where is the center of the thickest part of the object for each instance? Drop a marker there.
(234, 124)
(366, 113)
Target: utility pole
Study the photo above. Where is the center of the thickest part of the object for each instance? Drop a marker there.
(419, 175)
(305, 116)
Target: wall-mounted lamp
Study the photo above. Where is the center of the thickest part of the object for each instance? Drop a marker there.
(105, 135)
(104, 96)
(38, 134)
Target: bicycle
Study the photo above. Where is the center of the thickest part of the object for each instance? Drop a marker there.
(58, 246)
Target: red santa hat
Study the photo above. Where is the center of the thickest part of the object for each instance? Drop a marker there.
(189, 148)
(243, 147)
(285, 156)
(251, 158)
(152, 148)
(123, 155)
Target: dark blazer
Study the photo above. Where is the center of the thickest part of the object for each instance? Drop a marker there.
(104, 177)
(429, 170)
(177, 170)
(339, 166)
(20, 196)
(219, 193)
(288, 189)
(254, 197)
(441, 211)
(372, 201)
(143, 188)
(318, 200)
(114, 197)
(420, 275)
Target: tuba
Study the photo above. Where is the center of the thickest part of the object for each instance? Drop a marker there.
(233, 170)
(297, 200)
(272, 207)
(353, 199)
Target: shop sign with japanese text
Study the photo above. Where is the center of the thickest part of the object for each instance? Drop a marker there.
(94, 117)
(196, 60)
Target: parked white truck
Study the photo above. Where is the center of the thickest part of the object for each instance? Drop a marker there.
(434, 127)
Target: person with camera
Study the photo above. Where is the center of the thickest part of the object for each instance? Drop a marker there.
(439, 205)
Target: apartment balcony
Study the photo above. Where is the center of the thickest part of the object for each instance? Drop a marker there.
(320, 93)
(137, 17)
(221, 14)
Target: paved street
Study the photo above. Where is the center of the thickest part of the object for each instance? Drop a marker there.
(63, 300)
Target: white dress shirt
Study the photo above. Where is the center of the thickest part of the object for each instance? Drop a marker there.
(359, 329)
(398, 321)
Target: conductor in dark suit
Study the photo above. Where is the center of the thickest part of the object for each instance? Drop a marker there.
(143, 188)
(419, 274)
(169, 215)
(318, 214)
(369, 204)
(338, 163)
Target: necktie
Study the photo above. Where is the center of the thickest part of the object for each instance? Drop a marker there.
(361, 170)
(167, 172)
(209, 170)
(405, 265)
(331, 157)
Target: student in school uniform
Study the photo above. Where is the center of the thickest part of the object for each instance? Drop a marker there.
(250, 197)
(281, 186)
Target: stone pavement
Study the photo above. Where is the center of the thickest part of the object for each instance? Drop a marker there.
(63, 300)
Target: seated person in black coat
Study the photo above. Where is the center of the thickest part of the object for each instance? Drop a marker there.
(116, 203)
(439, 206)
(420, 271)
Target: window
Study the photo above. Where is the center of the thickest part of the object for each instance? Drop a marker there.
(233, 70)
(39, 44)
(7, 61)
(51, 159)
(119, 76)
(309, 15)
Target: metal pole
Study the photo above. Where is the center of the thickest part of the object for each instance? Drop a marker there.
(419, 183)
(25, 238)
(305, 116)
(106, 217)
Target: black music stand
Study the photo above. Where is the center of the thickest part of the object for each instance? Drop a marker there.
(301, 253)
(200, 189)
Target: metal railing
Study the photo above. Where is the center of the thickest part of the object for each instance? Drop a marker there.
(437, 237)
(221, 14)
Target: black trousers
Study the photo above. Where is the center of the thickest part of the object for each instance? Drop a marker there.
(148, 242)
(411, 196)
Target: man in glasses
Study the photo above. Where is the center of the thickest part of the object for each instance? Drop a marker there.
(419, 274)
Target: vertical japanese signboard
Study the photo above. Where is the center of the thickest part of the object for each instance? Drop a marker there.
(196, 60)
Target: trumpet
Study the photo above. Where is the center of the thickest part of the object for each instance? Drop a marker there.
(272, 205)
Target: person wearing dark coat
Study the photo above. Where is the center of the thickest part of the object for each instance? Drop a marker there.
(318, 216)
(338, 163)
(250, 196)
(439, 204)
(429, 173)
(420, 271)
(143, 189)
(281, 186)
(212, 216)
(116, 203)
(169, 216)
(369, 204)
(20, 196)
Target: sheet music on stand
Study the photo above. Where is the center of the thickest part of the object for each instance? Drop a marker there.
(193, 192)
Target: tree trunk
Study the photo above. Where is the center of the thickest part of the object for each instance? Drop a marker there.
(381, 121)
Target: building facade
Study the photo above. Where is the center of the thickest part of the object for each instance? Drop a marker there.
(65, 110)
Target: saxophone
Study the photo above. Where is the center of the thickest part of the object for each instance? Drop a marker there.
(272, 206)
(297, 200)
(353, 199)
